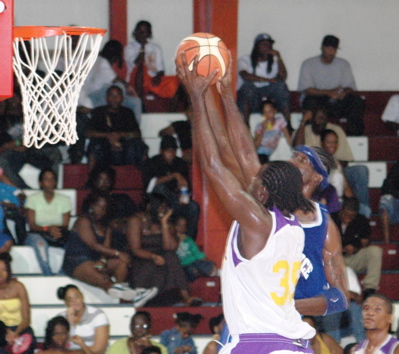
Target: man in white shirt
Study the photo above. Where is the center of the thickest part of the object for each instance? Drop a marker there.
(326, 80)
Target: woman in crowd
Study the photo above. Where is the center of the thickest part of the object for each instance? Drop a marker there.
(102, 179)
(153, 245)
(14, 307)
(48, 216)
(56, 340)
(140, 328)
(88, 253)
(355, 187)
(85, 322)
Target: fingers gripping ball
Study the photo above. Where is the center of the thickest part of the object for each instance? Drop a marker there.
(213, 54)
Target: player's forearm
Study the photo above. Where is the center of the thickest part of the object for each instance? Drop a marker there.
(314, 306)
(239, 134)
(219, 129)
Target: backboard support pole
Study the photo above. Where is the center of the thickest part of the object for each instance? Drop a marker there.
(6, 39)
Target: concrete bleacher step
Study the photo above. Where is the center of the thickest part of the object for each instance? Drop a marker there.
(42, 290)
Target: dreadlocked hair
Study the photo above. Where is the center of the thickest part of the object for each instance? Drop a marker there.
(284, 185)
(255, 59)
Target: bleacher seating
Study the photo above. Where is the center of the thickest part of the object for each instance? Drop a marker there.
(378, 149)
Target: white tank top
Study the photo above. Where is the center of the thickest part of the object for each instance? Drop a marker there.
(258, 293)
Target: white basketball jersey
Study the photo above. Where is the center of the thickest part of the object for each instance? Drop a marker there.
(258, 293)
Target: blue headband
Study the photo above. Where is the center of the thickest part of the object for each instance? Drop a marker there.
(316, 162)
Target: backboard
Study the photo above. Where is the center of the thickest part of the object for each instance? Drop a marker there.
(6, 39)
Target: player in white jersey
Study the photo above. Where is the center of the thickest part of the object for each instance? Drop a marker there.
(264, 249)
(377, 318)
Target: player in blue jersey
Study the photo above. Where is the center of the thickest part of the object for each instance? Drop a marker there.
(323, 280)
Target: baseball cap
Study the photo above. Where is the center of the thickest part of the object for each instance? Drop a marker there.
(330, 41)
(263, 37)
(168, 142)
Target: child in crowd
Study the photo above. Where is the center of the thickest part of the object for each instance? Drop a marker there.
(216, 325)
(178, 339)
(57, 337)
(269, 132)
(193, 261)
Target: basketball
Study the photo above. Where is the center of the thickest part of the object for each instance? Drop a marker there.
(213, 54)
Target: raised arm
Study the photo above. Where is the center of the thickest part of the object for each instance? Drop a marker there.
(254, 219)
(237, 130)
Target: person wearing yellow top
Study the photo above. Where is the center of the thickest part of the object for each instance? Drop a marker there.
(140, 327)
(322, 343)
(14, 306)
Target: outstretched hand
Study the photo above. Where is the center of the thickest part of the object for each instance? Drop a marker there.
(195, 84)
(224, 85)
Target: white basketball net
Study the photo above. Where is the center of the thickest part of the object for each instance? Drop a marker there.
(49, 102)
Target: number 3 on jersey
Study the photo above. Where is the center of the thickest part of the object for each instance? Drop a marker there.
(289, 277)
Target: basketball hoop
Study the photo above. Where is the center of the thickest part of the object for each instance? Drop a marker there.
(50, 100)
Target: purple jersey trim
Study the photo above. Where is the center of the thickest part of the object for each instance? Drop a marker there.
(268, 343)
(236, 259)
(281, 221)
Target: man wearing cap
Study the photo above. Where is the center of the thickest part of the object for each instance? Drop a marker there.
(326, 80)
(168, 175)
(262, 75)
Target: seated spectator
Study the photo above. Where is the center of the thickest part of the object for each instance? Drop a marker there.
(325, 80)
(391, 113)
(194, 262)
(14, 307)
(140, 329)
(322, 343)
(330, 143)
(57, 337)
(89, 257)
(102, 180)
(48, 215)
(89, 325)
(358, 253)
(377, 319)
(115, 137)
(181, 130)
(153, 245)
(262, 74)
(13, 154)
(168, 174)
(12, 208)
(145, 69)
(216, 325)
(108, 71)
(309, 133)
(178, 339)
(389, 202)
(269, 132)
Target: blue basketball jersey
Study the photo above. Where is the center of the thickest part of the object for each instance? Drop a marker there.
(313, 280)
